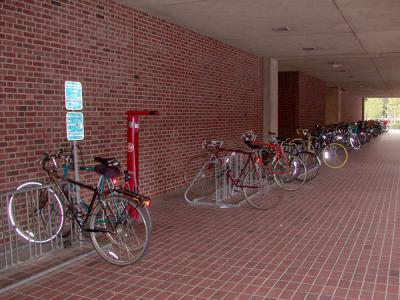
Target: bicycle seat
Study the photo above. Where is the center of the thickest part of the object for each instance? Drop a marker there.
(211, 145)
(108, 171)
(111, 162)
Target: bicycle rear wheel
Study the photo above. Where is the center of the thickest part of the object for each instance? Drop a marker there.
(290, 173)
(199, 175)
(255, 188)
(145, 210)
(36, 213)
(312, 163)
(334, 155)
(120, 236)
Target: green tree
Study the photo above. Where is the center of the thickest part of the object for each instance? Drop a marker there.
(383, 108)
(374, 108)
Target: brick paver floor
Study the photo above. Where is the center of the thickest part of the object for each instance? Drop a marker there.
(336, 238)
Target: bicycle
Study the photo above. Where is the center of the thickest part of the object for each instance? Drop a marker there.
(202, 172)
(250, 177)
(104, 184)
(352, 140)
(345, 135)
(333, 155)
(289, 171)
(311, 159)
(115, 218)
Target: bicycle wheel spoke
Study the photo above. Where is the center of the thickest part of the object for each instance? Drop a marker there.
(290, 174)
(334, 155)
(256, 188)
(128, 236)
(37, 215)
(312, 163)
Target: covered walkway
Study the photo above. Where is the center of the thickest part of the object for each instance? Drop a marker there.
(336, 238)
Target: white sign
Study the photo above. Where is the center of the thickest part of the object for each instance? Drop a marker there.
(75, 129)
(73, 95)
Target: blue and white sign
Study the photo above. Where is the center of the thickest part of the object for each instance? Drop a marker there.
(75, 130)
(73, 95)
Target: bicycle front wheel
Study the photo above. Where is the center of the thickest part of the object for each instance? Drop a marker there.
(119, 230)
(355, 142)
(290, 173)
(255, 188)
(199, 175)
(36, 212)
(334, 155)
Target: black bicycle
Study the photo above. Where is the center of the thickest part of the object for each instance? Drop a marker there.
(117, 219)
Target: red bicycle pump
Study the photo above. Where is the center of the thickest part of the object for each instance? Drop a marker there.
(132, 174)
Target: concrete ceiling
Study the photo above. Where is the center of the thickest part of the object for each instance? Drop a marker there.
(363, 36)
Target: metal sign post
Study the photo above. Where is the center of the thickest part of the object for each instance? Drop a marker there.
(133, 147)
(75, 128)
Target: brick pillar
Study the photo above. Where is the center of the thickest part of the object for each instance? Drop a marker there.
(332, 105)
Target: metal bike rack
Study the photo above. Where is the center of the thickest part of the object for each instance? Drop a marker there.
(13, 248)
(226, 194)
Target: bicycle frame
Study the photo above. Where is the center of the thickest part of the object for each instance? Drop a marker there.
(279, 154)
(97, 194)
(69, 202)
(250, 161)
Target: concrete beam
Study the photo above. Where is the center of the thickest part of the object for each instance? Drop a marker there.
(270, 88)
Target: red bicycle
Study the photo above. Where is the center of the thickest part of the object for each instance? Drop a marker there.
(249, 174)
(289, 171)
(234, 171)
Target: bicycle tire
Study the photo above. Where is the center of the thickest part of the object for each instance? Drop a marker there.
(334, 155)
(199, 175)
(290, 173)
(255, 189)
(37, 215)
(146, 211)
(355, 142)
(130, 239)
(312, 162)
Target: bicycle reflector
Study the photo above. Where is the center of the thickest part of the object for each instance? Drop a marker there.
(115, 181)
(147, 203)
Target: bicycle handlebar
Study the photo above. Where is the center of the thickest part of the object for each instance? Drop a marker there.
(50, 162)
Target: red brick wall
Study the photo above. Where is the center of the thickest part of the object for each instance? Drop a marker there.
(125, 60)
(351, 107)
(301, 102)
(311, 101)
(288, 107)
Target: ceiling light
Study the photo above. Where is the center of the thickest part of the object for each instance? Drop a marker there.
(335, 65)
(310, 48)
(361, 86)
(283, 28)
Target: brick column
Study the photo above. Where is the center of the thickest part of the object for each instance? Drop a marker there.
(332, 105)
